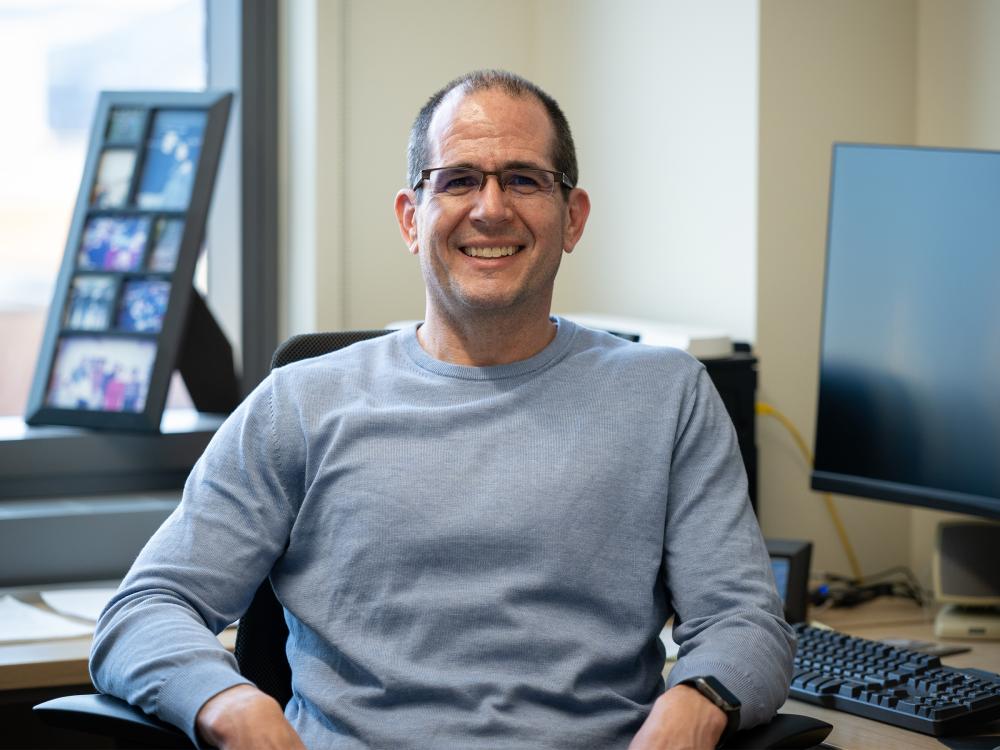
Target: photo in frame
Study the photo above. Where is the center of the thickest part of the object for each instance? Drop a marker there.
(125, 125)
(114, 177)
(167, 235)
(100, 373)
(113, 243)
(171, 159)
(143, 305)
(91, 303)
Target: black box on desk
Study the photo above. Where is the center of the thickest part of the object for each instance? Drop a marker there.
(735, 378)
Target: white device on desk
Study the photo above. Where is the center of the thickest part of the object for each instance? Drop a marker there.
(700, 342)
(967, 579)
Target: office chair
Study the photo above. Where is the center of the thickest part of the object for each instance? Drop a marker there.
(262, 633)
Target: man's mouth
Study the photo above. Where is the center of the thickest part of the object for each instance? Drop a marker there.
(490, 252)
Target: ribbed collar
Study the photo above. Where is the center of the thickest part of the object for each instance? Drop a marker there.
(557, 348)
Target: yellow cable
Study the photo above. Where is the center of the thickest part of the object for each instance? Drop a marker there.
(770, 411)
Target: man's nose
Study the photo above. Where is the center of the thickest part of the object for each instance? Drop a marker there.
(491, 203)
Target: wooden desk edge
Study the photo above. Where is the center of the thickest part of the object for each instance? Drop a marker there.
(43, 664)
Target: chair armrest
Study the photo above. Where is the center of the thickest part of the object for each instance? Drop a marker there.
(111, 717)
(791, 731)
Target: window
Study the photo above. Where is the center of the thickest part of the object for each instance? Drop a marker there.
(64, 54)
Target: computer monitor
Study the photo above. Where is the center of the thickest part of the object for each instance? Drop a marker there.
(909, 392)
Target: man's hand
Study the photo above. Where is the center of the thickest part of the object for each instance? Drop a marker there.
(681, 718)
(244, 718)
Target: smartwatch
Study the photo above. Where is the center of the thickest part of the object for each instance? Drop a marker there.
(717, 693)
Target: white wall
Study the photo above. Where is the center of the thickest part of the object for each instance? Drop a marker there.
(662, 97)
(662, 100)
(310, 165)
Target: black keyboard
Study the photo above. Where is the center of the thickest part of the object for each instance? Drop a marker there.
(895, 685)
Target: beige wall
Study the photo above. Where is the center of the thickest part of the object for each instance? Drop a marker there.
(958, 104)
(829, 71)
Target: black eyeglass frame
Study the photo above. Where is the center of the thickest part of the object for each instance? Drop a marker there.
(561, 179)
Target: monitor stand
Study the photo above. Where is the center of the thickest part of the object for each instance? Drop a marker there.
(956, 621)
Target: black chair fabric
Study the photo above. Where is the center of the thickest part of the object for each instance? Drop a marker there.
(263, 633)
(307, 345)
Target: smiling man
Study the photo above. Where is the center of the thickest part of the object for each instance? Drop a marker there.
(490, 221)
(477, 525)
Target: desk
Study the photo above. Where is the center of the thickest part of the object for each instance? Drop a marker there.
(56, 663)
(32, 672)
(889, 618)
(48, 664)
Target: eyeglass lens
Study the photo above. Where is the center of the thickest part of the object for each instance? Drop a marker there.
(461, 180)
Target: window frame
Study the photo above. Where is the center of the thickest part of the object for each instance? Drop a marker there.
(38, 462)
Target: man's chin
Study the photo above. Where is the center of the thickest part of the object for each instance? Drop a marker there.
(494, 306)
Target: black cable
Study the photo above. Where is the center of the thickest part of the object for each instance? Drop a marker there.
(849, 592)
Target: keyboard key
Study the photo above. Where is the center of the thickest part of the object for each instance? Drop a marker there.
(802, 678)
(983, 701)
(850, 689)
(829, 687)
(946, 711)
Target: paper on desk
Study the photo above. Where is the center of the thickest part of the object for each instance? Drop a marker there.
(667, 637)
(23, 622)
(85, 603)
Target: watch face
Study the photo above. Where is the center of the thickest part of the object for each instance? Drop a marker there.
(716, 692)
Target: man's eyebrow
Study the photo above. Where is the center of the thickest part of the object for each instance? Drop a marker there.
(505, 165)
(523, 165)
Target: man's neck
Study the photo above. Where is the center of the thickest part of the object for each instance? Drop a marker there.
(483, 341)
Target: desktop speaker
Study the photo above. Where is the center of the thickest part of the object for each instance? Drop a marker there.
(967, 579)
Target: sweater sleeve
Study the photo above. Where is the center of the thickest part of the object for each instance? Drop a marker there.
(728, 616)
(155, 645)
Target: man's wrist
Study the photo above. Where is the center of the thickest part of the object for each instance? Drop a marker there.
(219, 713)
(712, 690)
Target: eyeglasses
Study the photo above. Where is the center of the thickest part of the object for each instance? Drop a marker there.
(462, 180)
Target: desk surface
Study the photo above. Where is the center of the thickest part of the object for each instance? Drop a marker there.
(64, 662)
(43, 664)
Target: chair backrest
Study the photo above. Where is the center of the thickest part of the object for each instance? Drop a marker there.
(262, 632)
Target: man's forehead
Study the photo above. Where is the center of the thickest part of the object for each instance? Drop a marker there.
(489, 114)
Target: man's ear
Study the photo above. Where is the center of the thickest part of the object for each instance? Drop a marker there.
(577, 211)
(406, 216)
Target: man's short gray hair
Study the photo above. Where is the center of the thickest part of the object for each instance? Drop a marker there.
(563, 151)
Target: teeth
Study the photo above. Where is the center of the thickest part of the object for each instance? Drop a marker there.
(489, 252)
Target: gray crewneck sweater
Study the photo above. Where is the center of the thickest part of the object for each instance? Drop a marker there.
(468, 557)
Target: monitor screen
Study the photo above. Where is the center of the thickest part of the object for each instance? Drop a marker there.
(781, 566)
(909, 392)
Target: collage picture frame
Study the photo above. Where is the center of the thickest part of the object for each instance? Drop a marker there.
(118, 317)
